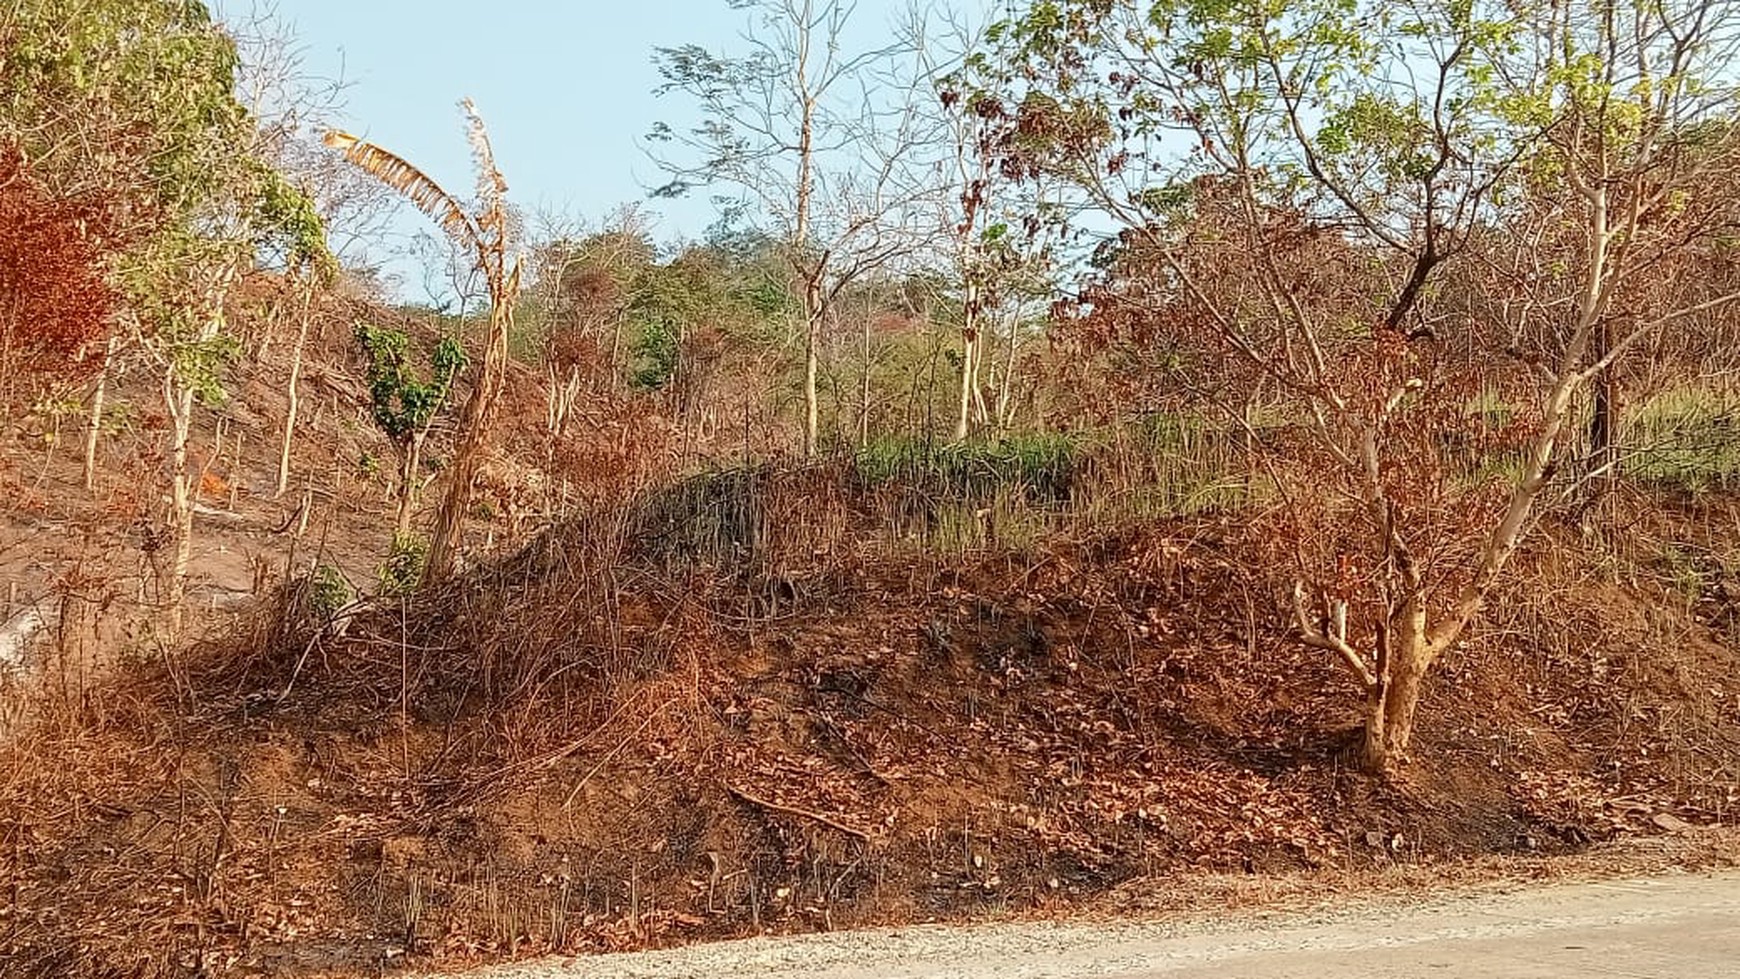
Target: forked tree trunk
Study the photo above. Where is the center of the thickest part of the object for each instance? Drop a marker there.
(981, 411)
(1404, 659)
(969, 364)
(1006, 384)
(1409, 647)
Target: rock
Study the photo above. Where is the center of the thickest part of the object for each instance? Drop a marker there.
(16, 635)
(1672, 823)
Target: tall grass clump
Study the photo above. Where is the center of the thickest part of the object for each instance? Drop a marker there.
(1686, 438)
(1169, 464)
(1040, 466)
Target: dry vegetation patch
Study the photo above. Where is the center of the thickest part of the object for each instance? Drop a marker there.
(702, 717)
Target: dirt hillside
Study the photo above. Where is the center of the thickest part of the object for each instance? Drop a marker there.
(739, 708)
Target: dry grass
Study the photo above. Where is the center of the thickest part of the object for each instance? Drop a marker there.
(749, 703)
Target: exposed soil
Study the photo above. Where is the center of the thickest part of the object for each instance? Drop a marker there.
(736, 711)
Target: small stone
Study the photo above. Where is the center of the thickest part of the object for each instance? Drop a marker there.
(1672, 823)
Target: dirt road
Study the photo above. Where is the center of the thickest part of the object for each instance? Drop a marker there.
(1674, 928)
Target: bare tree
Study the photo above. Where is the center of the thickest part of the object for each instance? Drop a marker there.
(814, 138)
(998, 215)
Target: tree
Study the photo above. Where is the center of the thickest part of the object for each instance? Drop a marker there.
(306, 283)
(1000, 213)
(1634, 185)
(816, 144)
(124, 110)
(121, 101)
(1294, 182)
(404, 406)
(581, 291)
(131, 105)
(483, 230)
(190, 273)
(308, 267)
(346, 204)
(55, 301)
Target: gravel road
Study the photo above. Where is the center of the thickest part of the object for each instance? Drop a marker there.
(1683, 927)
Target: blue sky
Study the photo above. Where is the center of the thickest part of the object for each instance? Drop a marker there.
(566, 87)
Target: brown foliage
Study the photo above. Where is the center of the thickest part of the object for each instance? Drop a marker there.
(55, 303)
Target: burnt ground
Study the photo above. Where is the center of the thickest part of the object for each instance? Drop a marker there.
(618, 739)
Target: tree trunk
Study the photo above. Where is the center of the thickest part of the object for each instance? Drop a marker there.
(801, 233)
(865, 392)
(94, 424)
(474, 431)
(981, 412)
(1006, 386)
(1405, 656)
(812, 341)
(178, 396)
(555, 410)
(292, 391)
(1604, 423)
(179, 400)
(410, 460)
(969, 357)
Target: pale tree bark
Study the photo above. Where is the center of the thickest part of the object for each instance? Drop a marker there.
(1640, 104)
(812, 363)
(805, 188)
(410, 462)
(865, 391)
(800, 243)
(94, 423)
(1006, 383)
(1409, 645)
(969, 362)
(981, 410)
(292, 391)
(179, 399)
(814, 138)
(1404, 658)
(564, 384)
(564, 391)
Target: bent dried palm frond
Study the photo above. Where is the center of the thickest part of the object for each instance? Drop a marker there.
(416, 186)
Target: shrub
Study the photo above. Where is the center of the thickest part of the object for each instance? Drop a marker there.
(403, 569)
